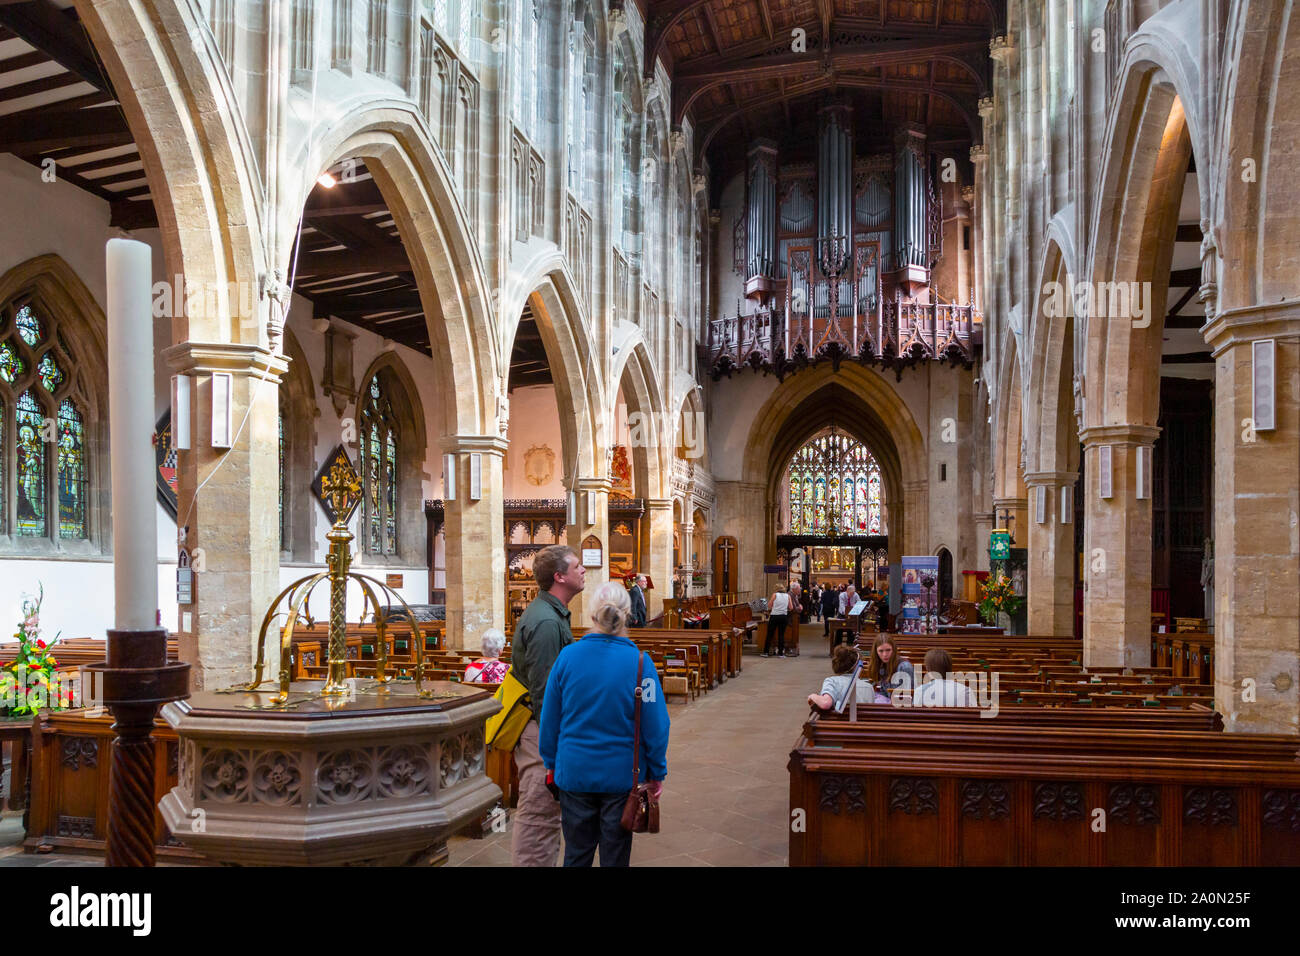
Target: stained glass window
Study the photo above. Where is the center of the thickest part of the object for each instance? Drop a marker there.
(835, 482)
(30, 475)
(50, 373)
(379, 441)
(11, 364)
(29, 326)
(72, 472)
(44, 457)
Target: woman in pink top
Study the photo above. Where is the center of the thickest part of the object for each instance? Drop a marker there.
(489, 669)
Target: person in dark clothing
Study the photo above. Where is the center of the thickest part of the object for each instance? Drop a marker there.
(830, 604)
(540, 634)
(636, 594)
(587, 731)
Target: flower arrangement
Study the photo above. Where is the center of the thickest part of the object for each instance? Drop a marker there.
(999, 598)
(31, 682)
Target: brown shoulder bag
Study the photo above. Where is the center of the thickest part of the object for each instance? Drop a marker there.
(641, 812)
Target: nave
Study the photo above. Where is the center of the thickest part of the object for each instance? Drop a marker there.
(726, 798)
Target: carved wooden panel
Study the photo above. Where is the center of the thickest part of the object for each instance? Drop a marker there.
(1210, 806)
(985, 799)
(80, 751)
(1061, 802)
(913, 795)
(842, 792)
(1282, 810)
(1134, 803)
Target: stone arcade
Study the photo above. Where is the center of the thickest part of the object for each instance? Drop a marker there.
(703, 288)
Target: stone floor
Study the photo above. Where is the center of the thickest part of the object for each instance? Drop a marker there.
(726, 799)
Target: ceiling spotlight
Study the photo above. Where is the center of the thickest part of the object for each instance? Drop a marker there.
(327, 180)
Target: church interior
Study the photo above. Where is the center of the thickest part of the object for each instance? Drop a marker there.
(983, 312)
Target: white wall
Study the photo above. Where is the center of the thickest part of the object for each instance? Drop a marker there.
(534, 421)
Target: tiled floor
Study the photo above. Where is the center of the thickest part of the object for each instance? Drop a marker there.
(726, 799)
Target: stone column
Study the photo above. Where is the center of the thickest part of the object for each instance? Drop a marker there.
(741, 513)
(979, 155)
(593, 520)
(657, 552)
(1116, 551)
(1256, 543)
(1051, 557)
(233, 534)
(475, 542)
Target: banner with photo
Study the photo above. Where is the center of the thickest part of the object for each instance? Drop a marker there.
(920, 595)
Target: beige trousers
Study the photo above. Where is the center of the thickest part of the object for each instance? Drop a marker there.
(536, 838)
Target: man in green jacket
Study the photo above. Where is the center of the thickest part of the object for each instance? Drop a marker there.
(541, 632)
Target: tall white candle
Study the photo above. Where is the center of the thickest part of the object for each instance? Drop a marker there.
(130, 425)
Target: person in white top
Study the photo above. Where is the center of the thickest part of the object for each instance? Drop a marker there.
(848, 599)
(835, 688)
(778, 610)
(939, 690)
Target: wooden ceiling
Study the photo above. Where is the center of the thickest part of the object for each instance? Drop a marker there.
(737, 72)
(56, 103)
(351, 263)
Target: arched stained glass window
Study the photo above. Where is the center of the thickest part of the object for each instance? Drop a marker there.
(72, 471)
(835, 482)
(47, 404)
(379, 451)
(30, 476)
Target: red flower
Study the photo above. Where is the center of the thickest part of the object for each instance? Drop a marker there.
(40, 643)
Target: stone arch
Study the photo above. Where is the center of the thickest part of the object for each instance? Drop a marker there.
(168, 74)
(1256, 226)
(1053, 442)
(859, 400)
(297, 395)
(650, 456)
(571, 353)
(1148, 147)
(1008, 475)
(394, 140)
(696, 433)
(405, 398)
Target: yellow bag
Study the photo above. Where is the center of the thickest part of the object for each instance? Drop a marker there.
(506, 726)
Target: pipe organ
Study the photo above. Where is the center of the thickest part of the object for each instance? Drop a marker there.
(838, 258)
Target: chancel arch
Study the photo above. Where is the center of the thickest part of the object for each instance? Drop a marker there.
(859, 401)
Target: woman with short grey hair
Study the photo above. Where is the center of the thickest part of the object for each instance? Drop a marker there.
(587, 730)
(488, 669)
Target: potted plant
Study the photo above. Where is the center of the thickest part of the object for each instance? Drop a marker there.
(31, 682)
(999, 598)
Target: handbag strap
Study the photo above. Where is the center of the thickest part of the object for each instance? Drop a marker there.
(636, 723)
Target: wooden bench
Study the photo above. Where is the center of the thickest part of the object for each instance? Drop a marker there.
(945, 787)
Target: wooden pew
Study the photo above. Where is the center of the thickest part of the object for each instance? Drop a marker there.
(70, 775)
(942, 787)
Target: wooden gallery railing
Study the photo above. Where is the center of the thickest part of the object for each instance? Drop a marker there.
(896, 334)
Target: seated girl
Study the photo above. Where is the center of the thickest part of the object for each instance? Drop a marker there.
(835, 687)
(888, 670)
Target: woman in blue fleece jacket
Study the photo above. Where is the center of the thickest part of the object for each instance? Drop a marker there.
(587, 732)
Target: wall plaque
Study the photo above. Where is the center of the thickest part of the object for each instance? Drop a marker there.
(393, 580)
(592, 552)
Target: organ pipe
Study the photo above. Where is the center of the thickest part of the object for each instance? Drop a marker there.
(835, 184)
(760, 220)
(911, 235)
